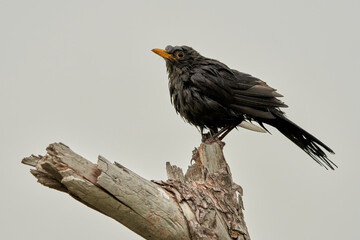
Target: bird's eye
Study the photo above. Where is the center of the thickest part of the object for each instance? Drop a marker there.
(180, 54)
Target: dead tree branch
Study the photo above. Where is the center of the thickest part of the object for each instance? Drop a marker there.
(202, 204)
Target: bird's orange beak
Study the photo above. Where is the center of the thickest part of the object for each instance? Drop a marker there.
(163, 53)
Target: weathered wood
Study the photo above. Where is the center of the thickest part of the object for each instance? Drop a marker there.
(160, 215)
(141, 205)
(174, 172)
(203, 204)
(212, 195)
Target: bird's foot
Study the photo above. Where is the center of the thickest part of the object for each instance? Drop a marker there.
(205, 137)
(212, 136)
(211, 140)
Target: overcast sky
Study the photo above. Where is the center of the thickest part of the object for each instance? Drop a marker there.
(82, 73)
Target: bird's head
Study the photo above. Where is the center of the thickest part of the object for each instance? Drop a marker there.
(178, 57)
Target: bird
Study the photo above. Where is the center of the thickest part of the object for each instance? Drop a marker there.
(211, 96)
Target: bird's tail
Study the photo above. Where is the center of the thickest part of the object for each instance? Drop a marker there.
(307, 142)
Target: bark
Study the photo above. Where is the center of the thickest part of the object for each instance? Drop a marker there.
(202, 204)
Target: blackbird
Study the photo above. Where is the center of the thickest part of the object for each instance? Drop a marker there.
(210, 95)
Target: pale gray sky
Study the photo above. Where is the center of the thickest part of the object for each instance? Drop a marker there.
(81, 72)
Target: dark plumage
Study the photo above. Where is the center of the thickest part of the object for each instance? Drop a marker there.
(210, 95)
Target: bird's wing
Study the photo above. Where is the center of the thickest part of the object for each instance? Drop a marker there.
(235, 90)
(253, 92)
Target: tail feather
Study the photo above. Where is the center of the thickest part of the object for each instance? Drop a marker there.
(307, 142)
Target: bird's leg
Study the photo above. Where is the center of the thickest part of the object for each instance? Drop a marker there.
(203, 135)
(227, 132)
(207, 135)
(201, 129)
(215, 136)
(220, 134)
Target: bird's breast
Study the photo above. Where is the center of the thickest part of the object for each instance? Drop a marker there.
(195, 106)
